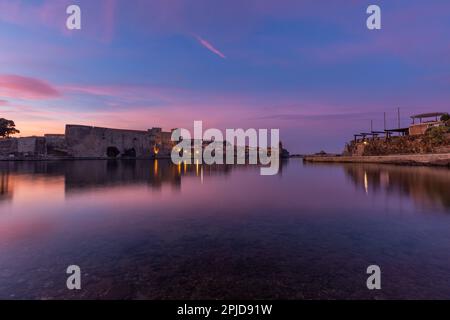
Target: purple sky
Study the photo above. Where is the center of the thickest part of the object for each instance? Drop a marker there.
(310, 68)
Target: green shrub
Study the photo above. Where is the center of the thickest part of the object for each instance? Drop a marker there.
(436, 135)
(445, 117)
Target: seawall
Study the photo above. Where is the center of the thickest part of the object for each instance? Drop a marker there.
(442, 159)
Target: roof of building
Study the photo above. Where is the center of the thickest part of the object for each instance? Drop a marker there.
(428, 115)
(397, 130)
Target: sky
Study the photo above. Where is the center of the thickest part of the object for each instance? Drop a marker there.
(310, 68)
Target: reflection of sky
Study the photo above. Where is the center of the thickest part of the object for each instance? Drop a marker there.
(141, 185)
(314, 218)
(301, 66)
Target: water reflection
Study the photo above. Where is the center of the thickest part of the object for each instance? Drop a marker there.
(79, 175)
(426, 186)
(5, 186)
(153, 230)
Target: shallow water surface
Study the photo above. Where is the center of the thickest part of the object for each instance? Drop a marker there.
(153, 230)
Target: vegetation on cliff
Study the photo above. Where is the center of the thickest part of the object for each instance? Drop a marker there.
(435, 140)
(437, 136)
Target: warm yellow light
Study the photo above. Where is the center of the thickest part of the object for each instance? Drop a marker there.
(201, 174)
(155, 167)
(366, 183)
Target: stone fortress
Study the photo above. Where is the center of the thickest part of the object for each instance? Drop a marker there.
(86, 142)
(90, 142)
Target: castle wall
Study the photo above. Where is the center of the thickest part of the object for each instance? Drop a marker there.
(31, 146)
(8, 147)
(56, 145)
(164, 143)
(90, 142)
(85, 141)
(22, 147)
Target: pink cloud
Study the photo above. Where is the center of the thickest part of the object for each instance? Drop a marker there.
(210, 47)
(14, 86)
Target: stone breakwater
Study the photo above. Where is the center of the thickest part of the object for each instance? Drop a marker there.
(442, 159)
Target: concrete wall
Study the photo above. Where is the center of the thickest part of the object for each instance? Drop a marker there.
(421, 128)
(409, 159)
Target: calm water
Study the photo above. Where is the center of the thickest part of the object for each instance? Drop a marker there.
(150, 230)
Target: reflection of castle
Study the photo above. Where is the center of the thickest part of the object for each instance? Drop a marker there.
(5, 186)
(424, 185)
(102, 173)
(92, 174)
(88, 174)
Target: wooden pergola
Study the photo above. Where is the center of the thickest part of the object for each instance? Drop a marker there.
(375, 134)
(401, 131)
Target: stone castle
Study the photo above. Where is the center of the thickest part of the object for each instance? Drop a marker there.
(90, 142)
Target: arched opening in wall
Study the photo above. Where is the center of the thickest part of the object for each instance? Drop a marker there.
(130, 153)
(112, 152)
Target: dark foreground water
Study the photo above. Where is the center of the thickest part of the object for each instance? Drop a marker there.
(150, 230)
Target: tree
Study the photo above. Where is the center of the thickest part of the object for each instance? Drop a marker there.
(7, 128)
